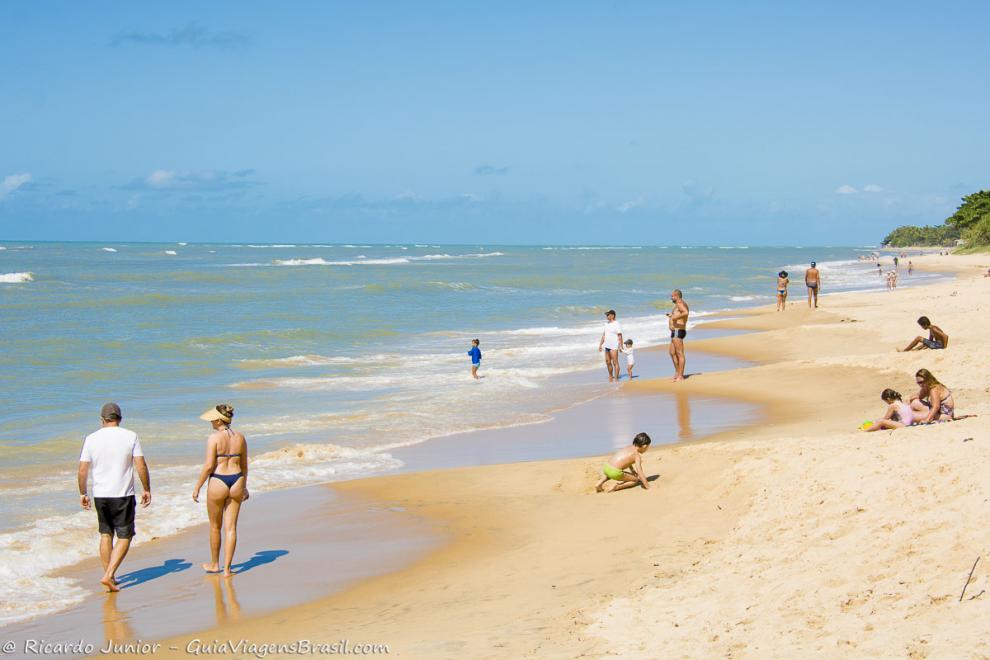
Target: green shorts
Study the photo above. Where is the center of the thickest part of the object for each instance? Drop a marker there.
(612, 472)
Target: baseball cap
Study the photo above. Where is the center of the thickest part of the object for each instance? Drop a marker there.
(110, 411)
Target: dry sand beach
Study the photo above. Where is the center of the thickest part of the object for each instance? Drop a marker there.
(799, 536)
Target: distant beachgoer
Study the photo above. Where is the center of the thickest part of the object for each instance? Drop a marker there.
(910, 267)
(890, 280)
(113, 453)
(611, 341)
(677, 323)
(617, 467)
(475, 354)
(893, 279)
(937, 339)
(782, 282)
(879, 269)
(226, 468)
(899, 414)
(895, 263)
(813, 280)
(627, 350)
(987, 273)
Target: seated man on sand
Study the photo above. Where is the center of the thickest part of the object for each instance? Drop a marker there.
(617, 467)
(937, 339)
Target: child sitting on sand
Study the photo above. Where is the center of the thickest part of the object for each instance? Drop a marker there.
(475, 354)
(627, 350)
(617, 467)
(899, 414)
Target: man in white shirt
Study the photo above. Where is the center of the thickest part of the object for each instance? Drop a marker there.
(611, 341)
(113, 452)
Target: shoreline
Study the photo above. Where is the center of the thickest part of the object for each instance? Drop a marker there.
(531, 569)
(742, 343)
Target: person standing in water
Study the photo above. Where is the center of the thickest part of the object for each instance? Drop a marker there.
(113, 452)
(610, 342)
(782, 282)
(226, 468)
(813, 280)
(677, 323)
(475, 354)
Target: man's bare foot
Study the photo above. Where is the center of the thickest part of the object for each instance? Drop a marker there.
(599, 488)
(110, 583)
(227, 573)
(212, 568)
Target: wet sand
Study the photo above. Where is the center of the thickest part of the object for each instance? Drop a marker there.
(800, 536)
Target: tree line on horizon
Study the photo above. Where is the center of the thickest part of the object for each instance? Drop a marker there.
(970, 223)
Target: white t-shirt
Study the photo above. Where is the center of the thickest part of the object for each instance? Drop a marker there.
(630, 354)
(111, 450)
(612, 332)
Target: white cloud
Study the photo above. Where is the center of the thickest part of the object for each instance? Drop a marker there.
(846, 189)
(872, 188)
(12, 182)
(160, 179)
(200, 181)
(631, 204)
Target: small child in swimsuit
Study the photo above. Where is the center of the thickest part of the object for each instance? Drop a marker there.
(627, 350)
(899, 414)
(475, 354)
(617, 467)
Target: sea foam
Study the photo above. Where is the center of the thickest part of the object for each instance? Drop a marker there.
(16, 278)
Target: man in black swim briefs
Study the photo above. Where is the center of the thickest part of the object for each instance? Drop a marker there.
(677, 323)
(813, 280)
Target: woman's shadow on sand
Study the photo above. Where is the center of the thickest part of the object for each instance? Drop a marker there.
(260, 558)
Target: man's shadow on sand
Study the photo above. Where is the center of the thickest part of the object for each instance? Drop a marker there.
(260, 558)
(143, 575)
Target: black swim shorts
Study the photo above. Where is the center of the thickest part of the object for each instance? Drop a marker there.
(679, 334)
(115, 515)
(932, 343)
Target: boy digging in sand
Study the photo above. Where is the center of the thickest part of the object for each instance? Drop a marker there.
(615, 469)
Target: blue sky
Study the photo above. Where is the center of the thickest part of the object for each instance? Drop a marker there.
(514, 122)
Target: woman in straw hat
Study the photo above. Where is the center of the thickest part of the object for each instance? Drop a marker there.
(226, 468)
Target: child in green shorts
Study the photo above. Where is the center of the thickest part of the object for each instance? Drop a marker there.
(615, 469)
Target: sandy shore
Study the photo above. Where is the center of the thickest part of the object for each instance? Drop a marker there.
(797, 537)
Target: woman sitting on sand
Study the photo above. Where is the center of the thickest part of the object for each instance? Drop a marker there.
(934, 400)
(782, 282)
(226, 467)
(899, 414)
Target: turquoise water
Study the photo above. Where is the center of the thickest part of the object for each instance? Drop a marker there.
(333, 356)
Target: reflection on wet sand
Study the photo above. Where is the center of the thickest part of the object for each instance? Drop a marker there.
(684, 416)
(116, 625)
(220, 602)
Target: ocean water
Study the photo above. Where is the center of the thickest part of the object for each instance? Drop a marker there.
(334, 356)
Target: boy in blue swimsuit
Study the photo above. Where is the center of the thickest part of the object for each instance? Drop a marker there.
(475, 354)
